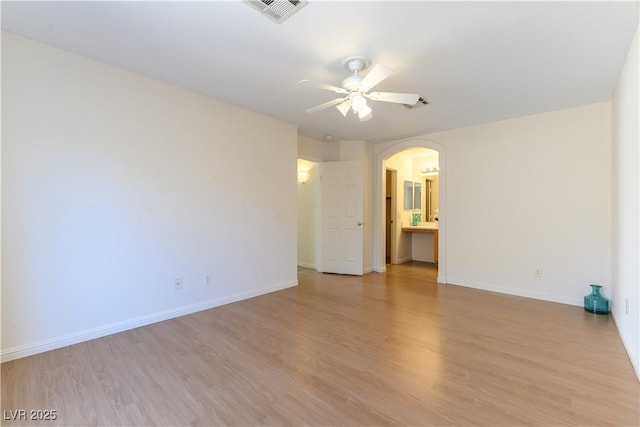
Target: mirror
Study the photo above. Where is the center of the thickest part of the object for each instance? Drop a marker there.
(408, 195)
(412, 195)
(417, 195)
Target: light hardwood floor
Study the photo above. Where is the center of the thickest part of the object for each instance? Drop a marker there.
(304, 271)
(383, 349)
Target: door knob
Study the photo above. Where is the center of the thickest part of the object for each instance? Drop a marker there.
(360, 223)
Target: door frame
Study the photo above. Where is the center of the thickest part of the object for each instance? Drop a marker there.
(379, 263)
(393, 252)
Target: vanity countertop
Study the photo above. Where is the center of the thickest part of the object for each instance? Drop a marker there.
(419, 228)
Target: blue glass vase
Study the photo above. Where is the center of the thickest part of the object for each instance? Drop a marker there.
(595, 302)
(415, 219)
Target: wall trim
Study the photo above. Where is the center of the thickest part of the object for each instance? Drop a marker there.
(516, 292)
(636, 368)
(307, 265)
(125, 325)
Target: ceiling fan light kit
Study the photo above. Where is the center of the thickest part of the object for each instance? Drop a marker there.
(355, 88)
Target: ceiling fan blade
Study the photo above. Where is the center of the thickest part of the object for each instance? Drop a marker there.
(344, 107)
(400, 98)
(377, 74)
(325, 105)
(324, 86)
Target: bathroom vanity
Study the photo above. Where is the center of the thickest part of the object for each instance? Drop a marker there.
(421, 236)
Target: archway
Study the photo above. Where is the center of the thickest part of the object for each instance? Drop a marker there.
(379, 206)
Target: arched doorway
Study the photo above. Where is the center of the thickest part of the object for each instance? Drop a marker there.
(379, 261)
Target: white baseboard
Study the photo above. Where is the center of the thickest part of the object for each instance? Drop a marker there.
(636, 368)
(430, 260)
(380, 269)
(403, 260)
(517, 292)
(101, 331)
(307, 265)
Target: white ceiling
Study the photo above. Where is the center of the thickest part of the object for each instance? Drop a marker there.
(475, 61)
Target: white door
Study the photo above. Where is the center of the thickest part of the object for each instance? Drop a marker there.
(342, 220)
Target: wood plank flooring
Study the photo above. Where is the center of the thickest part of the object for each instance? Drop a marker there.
(382, 349)
(304, 271)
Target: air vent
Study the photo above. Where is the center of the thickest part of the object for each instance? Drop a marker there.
(277, 10)
(421, 102)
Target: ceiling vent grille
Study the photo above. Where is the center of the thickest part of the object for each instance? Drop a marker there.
(277, 10)
(421, 102)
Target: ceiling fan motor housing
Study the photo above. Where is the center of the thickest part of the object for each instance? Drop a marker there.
(355, 64)
(352, 83)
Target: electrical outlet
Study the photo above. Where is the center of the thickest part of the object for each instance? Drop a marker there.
(177, 284)
(207, 279)
(537, 272)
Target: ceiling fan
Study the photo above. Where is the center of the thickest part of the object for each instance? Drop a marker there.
(355, 88)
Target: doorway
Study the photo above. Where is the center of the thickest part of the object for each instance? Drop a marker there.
(416, 236)
(308, 215)
(390, 213)
(403, 216)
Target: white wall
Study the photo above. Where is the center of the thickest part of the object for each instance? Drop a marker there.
(527, 193)
(626, 205)
(531, 193)
(115, 184)
(368, 207)
(312, 149)
(422, 248)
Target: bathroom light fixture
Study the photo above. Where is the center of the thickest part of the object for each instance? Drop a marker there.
(303, 175)
(430, 171)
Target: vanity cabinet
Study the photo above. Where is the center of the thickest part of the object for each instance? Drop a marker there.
(418, 232)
